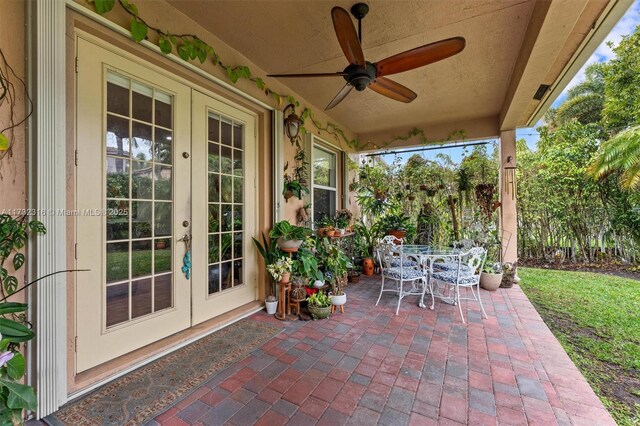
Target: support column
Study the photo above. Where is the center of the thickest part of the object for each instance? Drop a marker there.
(47, 175)
(508, 197)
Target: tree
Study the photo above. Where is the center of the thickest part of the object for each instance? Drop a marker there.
(584, 101)
(620, 154)
(622, 85)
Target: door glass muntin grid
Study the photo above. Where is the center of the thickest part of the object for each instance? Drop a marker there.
(225, 183)
(139, 188)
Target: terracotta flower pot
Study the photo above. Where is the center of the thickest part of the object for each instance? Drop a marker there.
(331, 232)
(367, 266)
(285, 278)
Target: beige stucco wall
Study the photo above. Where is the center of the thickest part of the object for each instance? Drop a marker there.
(13, 187)
(13, 190)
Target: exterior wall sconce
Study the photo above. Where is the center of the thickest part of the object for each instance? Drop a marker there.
(292, 123)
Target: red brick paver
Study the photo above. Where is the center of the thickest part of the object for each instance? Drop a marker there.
(421, 367)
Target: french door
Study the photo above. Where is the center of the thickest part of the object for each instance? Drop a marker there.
(156, 161)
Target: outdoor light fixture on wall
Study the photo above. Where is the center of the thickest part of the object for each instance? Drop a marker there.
(292, 123)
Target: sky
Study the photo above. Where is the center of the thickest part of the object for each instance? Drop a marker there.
(603, 53)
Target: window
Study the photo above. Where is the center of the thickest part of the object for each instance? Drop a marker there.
(325, 186)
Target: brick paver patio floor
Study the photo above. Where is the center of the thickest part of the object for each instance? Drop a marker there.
(422, 367)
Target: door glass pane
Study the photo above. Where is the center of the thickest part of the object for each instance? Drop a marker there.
(139, 171)
(226, 196)
(141, 298)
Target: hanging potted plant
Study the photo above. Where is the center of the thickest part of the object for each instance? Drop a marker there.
(396, 224)
(293, 187)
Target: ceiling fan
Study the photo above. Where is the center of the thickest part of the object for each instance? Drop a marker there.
(362, 74)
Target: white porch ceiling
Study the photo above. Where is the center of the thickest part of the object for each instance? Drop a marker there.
(471, 88)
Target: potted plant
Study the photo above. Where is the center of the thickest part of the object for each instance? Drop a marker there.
(397, 224)
(323, 224)
(353, 275)
(336, 264)
(280, 270)
(293, 187)
(319, 305)
(343, 219)
(289, 237)
(270, 253)
(365, 240)
(491, 276)
(305, 266)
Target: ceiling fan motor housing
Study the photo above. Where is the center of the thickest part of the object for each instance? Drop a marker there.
(360, 77)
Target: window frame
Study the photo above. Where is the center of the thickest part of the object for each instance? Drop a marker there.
(317, 144)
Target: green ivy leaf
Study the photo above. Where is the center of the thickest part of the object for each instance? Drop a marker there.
(245, 72)
(4, 142)
(18, 261)
(11, 307)
(202, 55)
(37, 226)
(103, 6)
(16, 366)
(232, 74)
(165, 45)
(215, 58)
(172, 38)
(10, 284)
(130, 7)
(183, 52)
(259, 83)
(138, 30)
(20, 396)
(15, 331)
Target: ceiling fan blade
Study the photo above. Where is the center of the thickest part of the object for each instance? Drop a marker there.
(393, 90)
(340, 96)
(347, 36)
(420, 56)
(316, 74)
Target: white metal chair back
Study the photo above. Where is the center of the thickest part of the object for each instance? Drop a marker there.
(474, 259)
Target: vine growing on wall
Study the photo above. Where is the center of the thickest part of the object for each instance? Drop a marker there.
(8, 97)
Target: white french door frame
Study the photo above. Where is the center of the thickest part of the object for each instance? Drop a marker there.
(46, 138)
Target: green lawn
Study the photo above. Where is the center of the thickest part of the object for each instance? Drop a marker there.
(596, 317)
(118, 264)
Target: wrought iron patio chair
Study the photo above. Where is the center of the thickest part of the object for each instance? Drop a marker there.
(462, 245)
(407, 272)
(455, 280)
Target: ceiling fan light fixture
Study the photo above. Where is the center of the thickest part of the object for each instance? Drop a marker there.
(292, 123)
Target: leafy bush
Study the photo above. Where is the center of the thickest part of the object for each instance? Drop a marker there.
(14, 328)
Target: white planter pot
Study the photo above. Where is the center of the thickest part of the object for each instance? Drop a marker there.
(490, 282)
(338, 300)
(289, 245)
(318, 284)
(272, 307)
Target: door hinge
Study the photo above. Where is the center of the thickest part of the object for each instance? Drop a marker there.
(75, 251)
(76, 65)
(75, 344)
(76, 157)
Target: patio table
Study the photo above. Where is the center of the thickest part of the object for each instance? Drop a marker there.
(428, 255)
